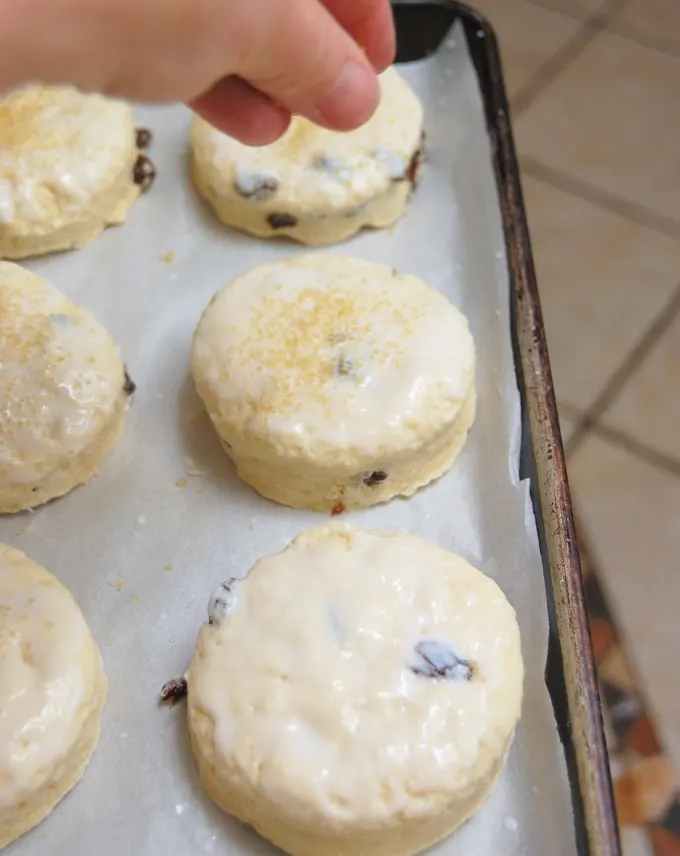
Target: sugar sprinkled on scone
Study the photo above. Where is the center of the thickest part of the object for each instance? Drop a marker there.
(64, 392)
(52, 691)
(70, 165)
(355, 694)
(314, 185)
(335, 383)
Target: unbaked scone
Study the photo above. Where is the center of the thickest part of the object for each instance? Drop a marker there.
(335, 383)
(70, 165)
(52, 691)
(356, 694)
(64, 392)
(313, 185)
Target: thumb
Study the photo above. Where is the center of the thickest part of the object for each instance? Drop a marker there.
(296, 53)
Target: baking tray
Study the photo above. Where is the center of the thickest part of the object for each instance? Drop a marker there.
(570, 670)
(143, 546)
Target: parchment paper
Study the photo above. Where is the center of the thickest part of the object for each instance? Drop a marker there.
(144, 545)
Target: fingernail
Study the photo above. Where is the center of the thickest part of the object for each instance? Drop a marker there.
(352, 98)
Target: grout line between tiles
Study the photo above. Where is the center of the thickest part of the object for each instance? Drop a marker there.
(551, 69)
(585, 428)
(635, 357)
(640, 37)
(572, 413)
(616, 204)
(577, 13)
(639, 450)
(606, 17)
(622, 375)
(577, 438)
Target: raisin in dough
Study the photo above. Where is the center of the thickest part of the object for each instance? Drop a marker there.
(356, 694)
(52, 691)
(67, 164)
(64, 392)
(335, 383)
(313, 185)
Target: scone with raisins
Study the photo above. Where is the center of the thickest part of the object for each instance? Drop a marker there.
(356, 694)
(335, 383)
(64, 392)
(69, 167)
(52, 691)
(314, 185)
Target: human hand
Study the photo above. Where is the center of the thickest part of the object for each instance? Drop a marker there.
(245, 65)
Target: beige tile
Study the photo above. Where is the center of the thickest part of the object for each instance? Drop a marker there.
(629, 511)
(656, 21)
(528, 35)
(579, 8)
(612, 118)
(648, 407)
(568, 423)
(635, 842)
(602, 280)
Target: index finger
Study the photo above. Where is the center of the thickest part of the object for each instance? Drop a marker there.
(371, 25)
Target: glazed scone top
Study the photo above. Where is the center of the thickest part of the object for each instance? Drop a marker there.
(59, 148)
(315, 168)
(61, 377)
(46, 654)
(327, 353)
(322, 679)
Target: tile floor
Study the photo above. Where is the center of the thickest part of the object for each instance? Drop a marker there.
(595, 91)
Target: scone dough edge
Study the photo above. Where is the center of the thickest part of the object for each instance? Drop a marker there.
(47, 653)
(335, 383)
(265, 722)
(70, 166)
(64, 390)
(314, 186)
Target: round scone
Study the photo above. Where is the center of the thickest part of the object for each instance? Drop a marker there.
(335, 383)
(64, 392)
(356, 694)
(313, 185)
(69, 166)
(52, 691)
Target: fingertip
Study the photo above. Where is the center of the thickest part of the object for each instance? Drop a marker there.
(384, 60)
(382, 47)
(351, 100)
(262, 126)
(371, 24)
(237, 109)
